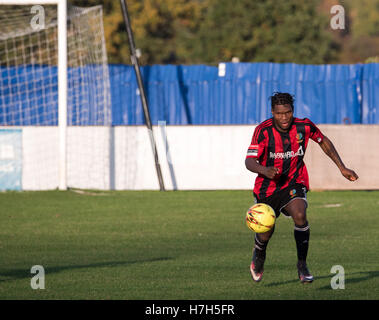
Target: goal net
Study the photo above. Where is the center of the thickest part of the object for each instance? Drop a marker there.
(29, 94)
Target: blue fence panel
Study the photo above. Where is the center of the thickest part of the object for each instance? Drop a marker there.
(197, 95)
(193, 94)
(29, 96)
(326, 93)
(87, 102)
(175, 94)
(370, 94)
(23, 88)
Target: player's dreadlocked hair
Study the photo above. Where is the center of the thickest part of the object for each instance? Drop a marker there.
(282, 98)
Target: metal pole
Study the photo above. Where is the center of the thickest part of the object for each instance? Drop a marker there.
(62, 92)
(142, 91)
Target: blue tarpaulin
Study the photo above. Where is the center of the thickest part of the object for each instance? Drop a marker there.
(29, 95)
(200, 94)
(370, 94)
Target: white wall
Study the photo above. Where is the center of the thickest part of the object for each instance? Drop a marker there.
(202, 157)
(358, 147)
(40, 158)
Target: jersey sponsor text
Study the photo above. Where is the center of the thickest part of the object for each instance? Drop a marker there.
(288, 154)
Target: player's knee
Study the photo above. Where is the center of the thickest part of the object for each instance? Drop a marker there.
(265, 236)
(299, 218)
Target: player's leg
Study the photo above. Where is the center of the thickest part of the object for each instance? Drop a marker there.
(259, 254)
(261, 241)
(296, 208)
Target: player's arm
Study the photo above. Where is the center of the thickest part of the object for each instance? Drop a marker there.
(329, 149)
(253, 165)
(255, 150)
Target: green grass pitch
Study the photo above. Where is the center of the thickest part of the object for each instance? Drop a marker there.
(180, 245)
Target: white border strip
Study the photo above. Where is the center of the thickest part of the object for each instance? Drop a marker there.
(28, 2)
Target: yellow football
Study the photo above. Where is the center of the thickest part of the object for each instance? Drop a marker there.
(260, 218)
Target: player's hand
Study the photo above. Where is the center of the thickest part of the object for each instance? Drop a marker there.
(271, 172)
(349, 174)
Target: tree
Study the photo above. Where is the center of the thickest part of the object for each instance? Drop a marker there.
(275, 31)
(366, 22)
(364, 36)
(360, 38)
(163, 29)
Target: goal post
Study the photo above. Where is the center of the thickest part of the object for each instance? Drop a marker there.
(55, 85)
(62, 78)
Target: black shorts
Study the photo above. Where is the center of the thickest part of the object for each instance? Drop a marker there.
(283, 197)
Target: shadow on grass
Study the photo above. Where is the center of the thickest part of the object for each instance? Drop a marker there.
(365, 275)
(14, 274)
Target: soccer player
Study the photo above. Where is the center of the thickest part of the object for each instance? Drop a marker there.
(276, 154)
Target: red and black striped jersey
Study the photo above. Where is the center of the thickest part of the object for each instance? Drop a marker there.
(282, 150)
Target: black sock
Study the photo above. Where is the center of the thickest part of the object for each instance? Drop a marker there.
(260, 247)
(302, 241)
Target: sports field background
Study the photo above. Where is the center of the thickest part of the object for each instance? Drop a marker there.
(180, 245)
